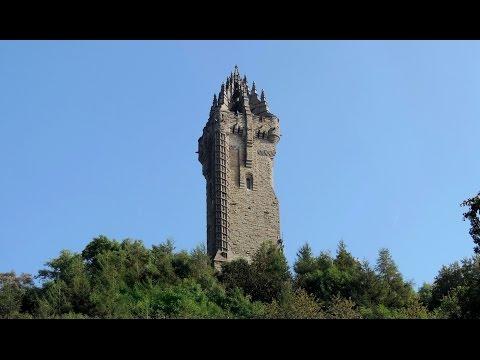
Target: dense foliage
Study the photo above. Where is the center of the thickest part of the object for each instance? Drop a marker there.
(124, 279)
(473, 215)
(112, 279)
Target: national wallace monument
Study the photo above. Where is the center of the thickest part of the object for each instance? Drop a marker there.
(236, 150)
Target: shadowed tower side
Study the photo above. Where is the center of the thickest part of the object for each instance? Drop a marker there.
(237, 150)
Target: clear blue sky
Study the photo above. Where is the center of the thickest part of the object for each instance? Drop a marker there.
(379, 147)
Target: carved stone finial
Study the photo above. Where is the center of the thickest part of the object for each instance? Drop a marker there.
(262, 96)
(221, 95)
(254, 89)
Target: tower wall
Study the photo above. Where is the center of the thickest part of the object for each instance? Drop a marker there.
(253, 214)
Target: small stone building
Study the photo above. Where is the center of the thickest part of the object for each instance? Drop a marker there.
(237, 150)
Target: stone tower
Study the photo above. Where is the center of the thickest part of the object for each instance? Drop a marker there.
(236, 150)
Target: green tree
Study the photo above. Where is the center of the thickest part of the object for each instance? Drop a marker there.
(109, 286)
(425, 294)
(184, 300)
(394, 291)
(304, 264)
(341, 308)
(269, 273)
(456, 290)
(135, 258)
(264, 279)
(296, 304)
(237, 274)
(326, 277)
(160, 268)
(97, 246)
(448, 278)
(13, 292)
(473, 215)
(239, 305)
(54, 300)
(67, 274)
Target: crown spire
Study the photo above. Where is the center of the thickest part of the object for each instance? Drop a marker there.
(236, 95)
(221, 95)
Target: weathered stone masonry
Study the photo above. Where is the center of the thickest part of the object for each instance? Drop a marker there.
(237, 150)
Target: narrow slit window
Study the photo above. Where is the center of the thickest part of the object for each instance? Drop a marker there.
(249, 182)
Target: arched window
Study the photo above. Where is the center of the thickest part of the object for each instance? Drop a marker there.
(249, 182)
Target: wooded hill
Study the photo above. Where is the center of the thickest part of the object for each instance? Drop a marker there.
(124, 279)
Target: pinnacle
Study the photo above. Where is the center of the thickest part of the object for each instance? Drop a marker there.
(221, 94)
